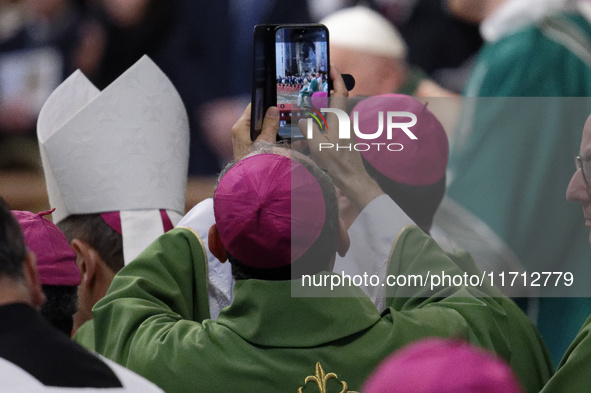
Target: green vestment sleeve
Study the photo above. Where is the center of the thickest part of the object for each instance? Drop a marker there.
(529, 359)
(153, 295)
(496, 324)
(267, 340)
(574, 372)
(85, 335)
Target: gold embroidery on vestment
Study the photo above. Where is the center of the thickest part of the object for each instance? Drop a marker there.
(321, 378)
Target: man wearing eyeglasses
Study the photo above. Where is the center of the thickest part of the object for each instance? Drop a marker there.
(574, 371)
(579, 188)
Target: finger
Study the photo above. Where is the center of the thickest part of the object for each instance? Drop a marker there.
(270, 125)
(317, 136)
(338, 100)
(338, 84)
(242, 126)
(241, 135)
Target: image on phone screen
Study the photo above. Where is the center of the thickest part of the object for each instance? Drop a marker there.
(301, 69)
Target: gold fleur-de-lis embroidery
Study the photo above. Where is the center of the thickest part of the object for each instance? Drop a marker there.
(321, 378)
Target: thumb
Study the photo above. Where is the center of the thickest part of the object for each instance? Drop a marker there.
(270, 125)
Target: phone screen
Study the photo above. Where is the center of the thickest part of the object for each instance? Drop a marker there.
(301, 71)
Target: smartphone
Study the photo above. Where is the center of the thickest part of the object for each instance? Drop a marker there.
(291, 67)
(263, 81)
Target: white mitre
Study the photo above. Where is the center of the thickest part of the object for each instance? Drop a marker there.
(124, 149)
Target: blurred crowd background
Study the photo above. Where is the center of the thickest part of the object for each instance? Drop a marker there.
(205, 47)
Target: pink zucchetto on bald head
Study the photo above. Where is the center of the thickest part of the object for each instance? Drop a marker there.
(268, 210)
(421, 161)
(56, 260)
(442, 366)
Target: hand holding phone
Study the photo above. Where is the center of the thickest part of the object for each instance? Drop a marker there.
(345, 167)
(241, 141)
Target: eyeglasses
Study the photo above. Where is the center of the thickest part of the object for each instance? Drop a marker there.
(585, 165)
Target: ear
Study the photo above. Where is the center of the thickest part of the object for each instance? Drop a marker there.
(87, 260)
(32, 280)
(215, 244)
(343, 240)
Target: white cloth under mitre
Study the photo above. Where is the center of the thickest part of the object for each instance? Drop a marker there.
(124, 149)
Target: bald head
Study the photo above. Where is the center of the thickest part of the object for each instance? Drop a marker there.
(366, 45)
(473, 11)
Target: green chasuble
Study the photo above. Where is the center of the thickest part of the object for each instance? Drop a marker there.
(85, 335)
(574, 372)
(511, 159)
(530, 359)
(270, 341)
